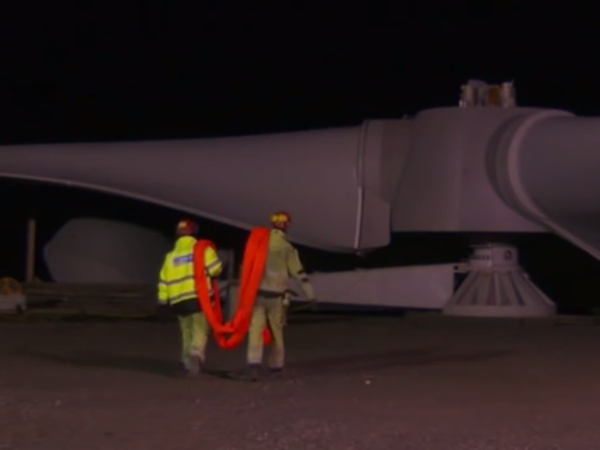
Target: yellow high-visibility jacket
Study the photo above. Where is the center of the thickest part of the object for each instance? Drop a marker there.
(177, 285)
(282, 262)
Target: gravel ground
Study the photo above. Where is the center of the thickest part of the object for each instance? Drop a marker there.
(352, 383)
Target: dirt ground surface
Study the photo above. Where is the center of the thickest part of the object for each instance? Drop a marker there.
(351, 383)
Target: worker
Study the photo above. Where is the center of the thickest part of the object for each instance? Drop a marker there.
(273, 297)
(177, 290)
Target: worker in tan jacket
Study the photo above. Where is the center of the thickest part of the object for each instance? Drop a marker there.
(273, 297)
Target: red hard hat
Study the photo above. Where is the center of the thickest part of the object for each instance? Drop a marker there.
(186, 227)
(281, 220)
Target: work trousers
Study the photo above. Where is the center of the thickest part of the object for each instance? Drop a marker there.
(267, 311)
(194, 336)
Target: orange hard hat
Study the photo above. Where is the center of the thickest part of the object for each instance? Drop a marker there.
(281, 220)
(186, 227)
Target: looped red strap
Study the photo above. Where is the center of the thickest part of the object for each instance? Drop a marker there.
(231, 334)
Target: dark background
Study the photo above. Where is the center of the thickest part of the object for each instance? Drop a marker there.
(91, 71)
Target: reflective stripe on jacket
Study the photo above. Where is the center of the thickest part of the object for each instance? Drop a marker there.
(177, 282)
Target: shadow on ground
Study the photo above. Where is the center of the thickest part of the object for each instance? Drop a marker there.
(298, 319)
(168, 368)
(321, 366)
(157, 366)
(395, 359)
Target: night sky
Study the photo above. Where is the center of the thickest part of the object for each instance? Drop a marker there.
(86, 71)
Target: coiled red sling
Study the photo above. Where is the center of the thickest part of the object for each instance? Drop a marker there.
(230, 334)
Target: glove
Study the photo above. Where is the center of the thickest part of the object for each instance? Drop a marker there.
(286, 305)
(309, 292)
(286, 297)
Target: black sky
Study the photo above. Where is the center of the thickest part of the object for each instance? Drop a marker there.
(138, 69)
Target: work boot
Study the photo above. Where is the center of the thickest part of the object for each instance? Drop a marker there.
(253, 372)
(184, 372)
(275, 372)
(195, 366)
(276, 359)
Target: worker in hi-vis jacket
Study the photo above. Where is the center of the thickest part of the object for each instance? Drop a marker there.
(272, 298)
(177, 290)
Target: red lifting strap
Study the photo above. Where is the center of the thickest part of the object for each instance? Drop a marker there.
(231, 334)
